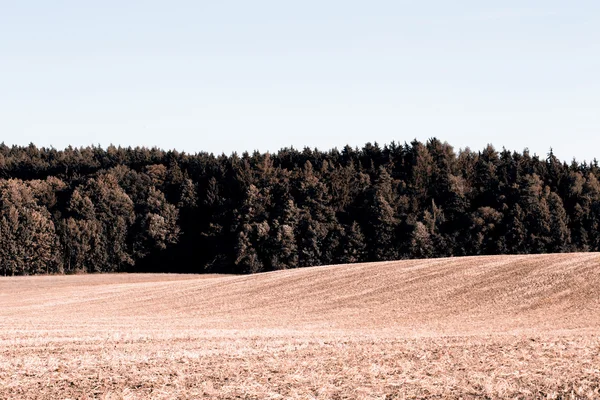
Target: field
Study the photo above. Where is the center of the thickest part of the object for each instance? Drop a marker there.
(475, 327)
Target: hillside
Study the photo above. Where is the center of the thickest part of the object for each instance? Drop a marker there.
(292, 333)
(454, 295)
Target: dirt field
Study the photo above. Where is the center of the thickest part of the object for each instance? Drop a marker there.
(477, 327)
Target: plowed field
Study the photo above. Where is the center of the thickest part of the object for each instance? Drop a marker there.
(498, 326)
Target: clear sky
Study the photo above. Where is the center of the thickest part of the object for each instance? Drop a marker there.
(223, 76)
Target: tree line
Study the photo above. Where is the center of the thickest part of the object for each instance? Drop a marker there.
(139, 209)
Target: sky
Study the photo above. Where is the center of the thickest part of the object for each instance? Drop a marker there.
(224, 76)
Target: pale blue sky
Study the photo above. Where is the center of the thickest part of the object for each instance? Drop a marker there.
(223, 76)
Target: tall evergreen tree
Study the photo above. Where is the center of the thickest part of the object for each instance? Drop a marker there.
(560, 236)
(381, 217)
(354, 245)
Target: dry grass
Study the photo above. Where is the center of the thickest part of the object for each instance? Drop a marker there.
(495, 327)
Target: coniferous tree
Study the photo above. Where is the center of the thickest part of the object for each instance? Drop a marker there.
(354, 245)
(140, 209)
(516, 236)
(591, 201)
(537, 214)
(252, 232)
(382, 218)
(317, 217)
(310, 245)
(560, 236)
(218, 258)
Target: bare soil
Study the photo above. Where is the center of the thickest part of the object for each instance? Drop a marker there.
(474, 327)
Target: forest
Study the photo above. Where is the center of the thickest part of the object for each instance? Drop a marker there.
(115, 209)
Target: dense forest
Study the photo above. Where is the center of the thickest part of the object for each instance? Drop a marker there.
(139, 209)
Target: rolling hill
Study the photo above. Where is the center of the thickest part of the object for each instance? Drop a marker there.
(494, 303)
(453, 295)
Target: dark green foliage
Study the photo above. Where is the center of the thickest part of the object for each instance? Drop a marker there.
(354, 245)
(283, 246)
(138, 209)
(381, 218)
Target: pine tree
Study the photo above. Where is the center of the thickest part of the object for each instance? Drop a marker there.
(382, 218)
(516, 236)
(537, 215)
(216, 220)
(252, 232)
(311, 235)
(188, 198)
(591, 195)
(560, 236)
(353, 245)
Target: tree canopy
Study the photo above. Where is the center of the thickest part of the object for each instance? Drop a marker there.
(145, 209)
